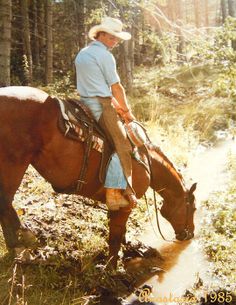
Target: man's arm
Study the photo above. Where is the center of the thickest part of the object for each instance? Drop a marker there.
(121, 103)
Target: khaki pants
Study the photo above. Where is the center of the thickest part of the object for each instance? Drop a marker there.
(116, 131)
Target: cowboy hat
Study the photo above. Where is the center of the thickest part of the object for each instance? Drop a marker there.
(111, 26)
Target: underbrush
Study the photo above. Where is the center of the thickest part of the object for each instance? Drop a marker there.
(219, 231)
(174, 104)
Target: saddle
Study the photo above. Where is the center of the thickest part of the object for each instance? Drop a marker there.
(77, 123)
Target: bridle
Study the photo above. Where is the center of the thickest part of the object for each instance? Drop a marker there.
(157, 211)
(186, 230)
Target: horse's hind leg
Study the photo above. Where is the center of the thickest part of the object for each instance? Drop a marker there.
(14, 233)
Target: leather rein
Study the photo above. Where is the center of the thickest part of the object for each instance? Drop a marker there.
(157, 209)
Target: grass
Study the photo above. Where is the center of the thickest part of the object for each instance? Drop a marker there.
(72, 232)
(172, 106)
(219, 232)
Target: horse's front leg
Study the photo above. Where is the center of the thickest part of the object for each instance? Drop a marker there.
(117, 230)
(10, 223)
(15, 235)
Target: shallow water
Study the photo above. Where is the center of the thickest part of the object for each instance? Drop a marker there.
(184, 262)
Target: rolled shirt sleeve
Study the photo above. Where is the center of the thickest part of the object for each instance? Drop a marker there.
(95, 71)
(108, 68)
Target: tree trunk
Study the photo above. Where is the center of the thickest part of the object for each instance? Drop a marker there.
(41, 25)
(80, 16)
(179, 10)
(5, 42)
(223, 10)
(196, 13)
(131, 50)
(49, 44)
(171, 10)
(27, 56)
(232, 8)
(232, 13)
(35, 47)
(41, 36)
(128, 65)
(125, 65)
(181, 42)
(137, 52)
(206, 6)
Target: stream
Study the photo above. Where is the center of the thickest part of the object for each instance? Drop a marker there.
(183, 264)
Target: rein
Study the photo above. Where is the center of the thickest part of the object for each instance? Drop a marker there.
(155, 202)
(154, 198)
(157, 217)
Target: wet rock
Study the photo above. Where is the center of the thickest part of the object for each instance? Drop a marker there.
(106, 296)
(133, 250)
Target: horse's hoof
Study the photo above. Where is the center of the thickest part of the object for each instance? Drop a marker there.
(23, 255)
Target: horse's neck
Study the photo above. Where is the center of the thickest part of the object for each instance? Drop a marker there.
(166, 180)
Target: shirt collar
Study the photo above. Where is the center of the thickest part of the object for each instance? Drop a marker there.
(99, 44)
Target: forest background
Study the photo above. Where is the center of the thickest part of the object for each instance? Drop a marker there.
(39, 39)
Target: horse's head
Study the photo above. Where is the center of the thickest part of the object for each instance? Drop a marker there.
(178, 202)
(181, 216)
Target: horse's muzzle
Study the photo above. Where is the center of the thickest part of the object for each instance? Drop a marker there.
(184, 235)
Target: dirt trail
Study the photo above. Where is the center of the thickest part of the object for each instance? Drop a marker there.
(184, 262)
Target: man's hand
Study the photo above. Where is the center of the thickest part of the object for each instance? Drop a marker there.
(128, 116)
(120, 102)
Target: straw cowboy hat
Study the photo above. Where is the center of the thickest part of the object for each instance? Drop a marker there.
(109, 25)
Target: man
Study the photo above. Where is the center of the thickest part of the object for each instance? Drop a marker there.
(99, 87)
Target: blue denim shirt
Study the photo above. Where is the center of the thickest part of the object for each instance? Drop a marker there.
(95, 70)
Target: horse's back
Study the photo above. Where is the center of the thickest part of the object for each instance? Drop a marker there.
(22, 93)
(25, 114)
(23, 106)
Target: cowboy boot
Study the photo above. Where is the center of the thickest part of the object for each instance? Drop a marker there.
(115, 200)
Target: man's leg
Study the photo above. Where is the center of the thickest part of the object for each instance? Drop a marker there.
(118, 134)
(115, 182)
(116, 130)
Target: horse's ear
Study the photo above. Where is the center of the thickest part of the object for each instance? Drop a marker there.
(193, 188)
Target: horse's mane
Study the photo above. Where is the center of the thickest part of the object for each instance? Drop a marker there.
(166, 162)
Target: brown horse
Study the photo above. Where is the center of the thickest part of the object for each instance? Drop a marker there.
(29, 134)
